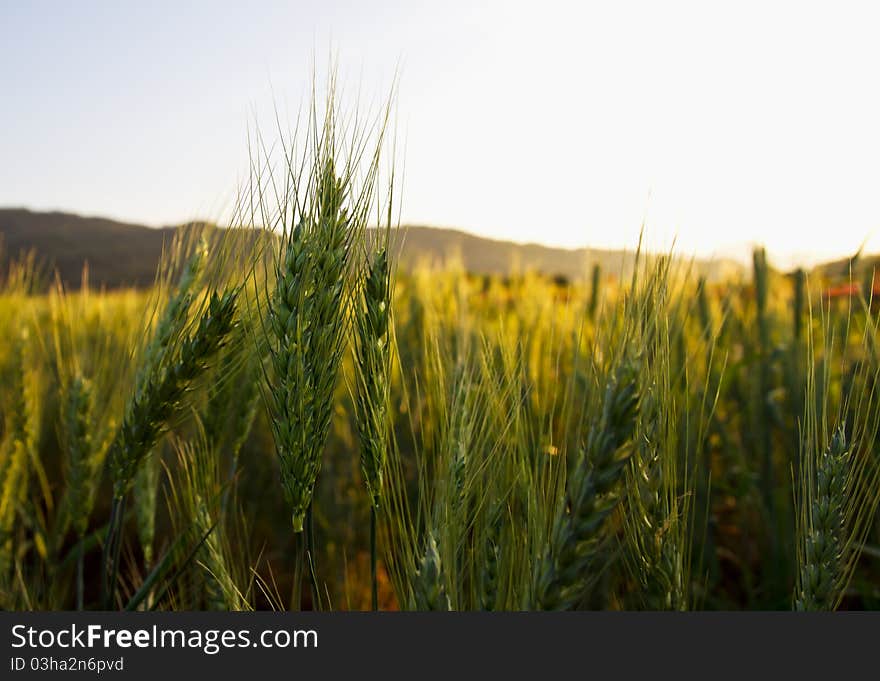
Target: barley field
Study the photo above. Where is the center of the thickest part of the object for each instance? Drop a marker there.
(287, 420)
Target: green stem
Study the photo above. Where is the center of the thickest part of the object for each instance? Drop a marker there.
(375, 587)
(107, 553)
(112, 551)
(80, 576)
(310, 555)
(298, 571)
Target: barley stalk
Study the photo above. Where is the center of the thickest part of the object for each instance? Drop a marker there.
(591, 496)
(82, 466)
(821, 571)
(81, 472)
(145, 491)
(373, 368)
(14, 462)
(307, 324)
(429, 585)
(156, 399)
(163, 390)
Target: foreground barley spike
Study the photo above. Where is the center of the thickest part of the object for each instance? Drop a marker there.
(837, 489)
(321, 201)
(590, 497)
(157, 398)
(821, 570)
(307, 323)
(373, 367)
(158, 353)
(162, 392)
(322, 210)
(429, 587)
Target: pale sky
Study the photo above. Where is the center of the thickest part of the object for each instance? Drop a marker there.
(565, 123)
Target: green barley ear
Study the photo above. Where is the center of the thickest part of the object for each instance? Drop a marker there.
(195, 505)
(372, 352)
(159, 395)
(591, 495)
(372, 394)
(658, 513)
(157, 354)
(307, 324)
(821, 571)
(146, 489)
(221, 592)
(164, 389)
(81, 462)
(174, 315)
(323, 200)
(233, 398)
(429, 587)
(838, 485)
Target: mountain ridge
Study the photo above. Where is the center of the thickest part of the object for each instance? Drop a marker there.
(126, 254)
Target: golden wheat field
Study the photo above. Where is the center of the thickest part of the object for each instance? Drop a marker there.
(287, 419)
(433, 440)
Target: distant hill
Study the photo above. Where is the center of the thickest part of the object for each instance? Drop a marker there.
(122, 254)
(118, 254)
(845, 268)
(481, 255)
